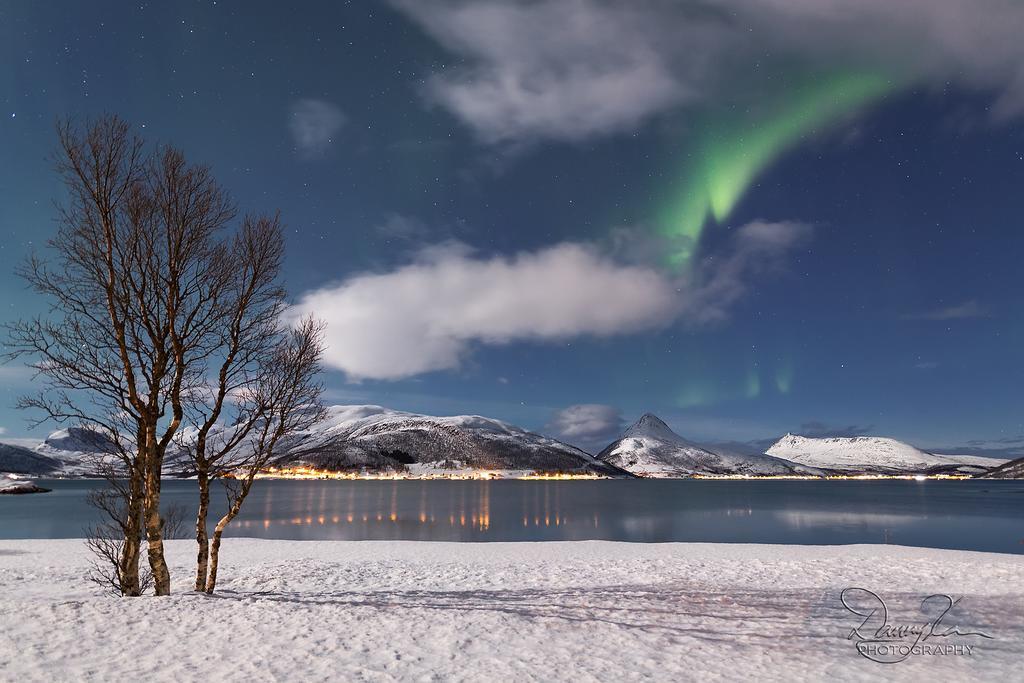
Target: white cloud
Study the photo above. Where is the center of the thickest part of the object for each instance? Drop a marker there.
(428, 314)
(590, 426)
(553, 68)
(425, 315)
(313, 125)
(3, 430)
(571, 69)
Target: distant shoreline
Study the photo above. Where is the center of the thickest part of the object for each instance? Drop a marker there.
(701, 477)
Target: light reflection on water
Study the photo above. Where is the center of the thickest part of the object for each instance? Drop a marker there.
(469, 508)
(955, 514)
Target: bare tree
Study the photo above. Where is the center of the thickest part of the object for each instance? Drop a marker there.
(107, 539)
(280, 400)
(82, 354)
(252, 349)
(148, 297)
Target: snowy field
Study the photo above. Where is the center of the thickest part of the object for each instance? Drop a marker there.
(575, 611)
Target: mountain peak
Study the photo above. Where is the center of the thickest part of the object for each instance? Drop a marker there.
(652, 419)
(650, 425)
(649, 448)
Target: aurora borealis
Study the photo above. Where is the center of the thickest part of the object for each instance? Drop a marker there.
(741, 216)
(730, 149)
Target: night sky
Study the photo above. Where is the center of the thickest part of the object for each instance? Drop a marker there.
(746, 217)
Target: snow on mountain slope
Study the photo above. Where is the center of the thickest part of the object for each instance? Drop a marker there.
(84, 452)
(74, 440)
(376, 438)
(1014, 469)
(872, 454)
(78, 450)
(649, 448)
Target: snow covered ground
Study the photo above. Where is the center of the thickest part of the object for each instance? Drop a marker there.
(579, 611)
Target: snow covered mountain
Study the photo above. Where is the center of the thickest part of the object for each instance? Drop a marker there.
(874, 455)
(1014, 469)
(74, 440)
(650, 448)
(375, 439)
(378, 439)
(19, 460)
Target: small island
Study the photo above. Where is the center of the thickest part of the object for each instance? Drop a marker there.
(20, 486)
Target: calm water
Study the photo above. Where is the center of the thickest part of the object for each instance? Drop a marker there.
(943, 514)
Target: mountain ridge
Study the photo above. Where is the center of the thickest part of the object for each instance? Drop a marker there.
(650, 448)
(374, 439)
(371, 439)
(873, 455)
(1013, 469)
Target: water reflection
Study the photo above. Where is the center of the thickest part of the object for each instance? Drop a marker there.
(470, 509)
(967, 515)
(808, 519)
(794, 512)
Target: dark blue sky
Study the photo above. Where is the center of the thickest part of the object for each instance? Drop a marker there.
(451, 164)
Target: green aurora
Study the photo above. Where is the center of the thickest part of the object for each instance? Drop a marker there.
(750, 381)
(732, 149)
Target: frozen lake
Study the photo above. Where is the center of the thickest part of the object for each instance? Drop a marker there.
(966, 515)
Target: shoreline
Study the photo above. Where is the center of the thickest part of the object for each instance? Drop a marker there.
(698, 477)
(741, 545)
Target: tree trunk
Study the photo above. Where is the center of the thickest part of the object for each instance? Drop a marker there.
(202, 537)
(155, 528)
(128, 567)
(218, 531)
(211, 581)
